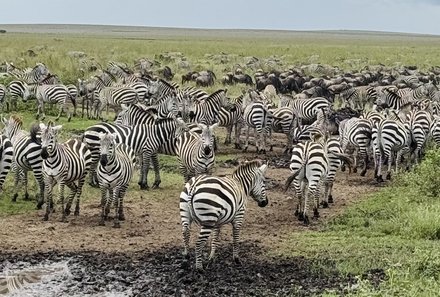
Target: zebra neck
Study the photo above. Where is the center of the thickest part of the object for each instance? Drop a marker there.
(111, 164)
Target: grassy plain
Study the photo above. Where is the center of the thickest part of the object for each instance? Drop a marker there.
(397, 229)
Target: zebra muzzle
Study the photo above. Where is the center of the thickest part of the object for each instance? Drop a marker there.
(44, 153)
(103, 160)
(207, 150)
(263, 203)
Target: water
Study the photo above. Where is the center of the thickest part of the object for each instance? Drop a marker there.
(45, 280)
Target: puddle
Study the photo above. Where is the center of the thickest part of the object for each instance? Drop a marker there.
(55, 279)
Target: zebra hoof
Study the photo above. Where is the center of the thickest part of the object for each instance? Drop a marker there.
(388, 177)
(121, 217)
(363, 172)
(330, 199)
(26, 196)
(102, 222)
(67, 211)
(301, 217)
(324, 204)
(316, 213)
(185, 264)
(379, 179)
(39, 205)
(245, 149)
(355, 170)
(46, 217)
(343, 168)
(306, 220)
(76, 213)
(14, 198)
(237, 146)
(296, 213)
(117, 225)
(144, 187)
(237, 261)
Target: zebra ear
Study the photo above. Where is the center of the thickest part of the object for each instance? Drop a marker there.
(42, 126)
(263, 169)
(203, 126)
(101, 135)
(57, 128)
(213, 126)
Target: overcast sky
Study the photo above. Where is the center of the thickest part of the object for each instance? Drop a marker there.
(412, 16)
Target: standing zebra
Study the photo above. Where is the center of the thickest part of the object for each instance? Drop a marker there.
(232, 118)
(195, 152)
(389, 136)
(16, 89)
(57, 94)
(418, 123)
(307, 109)
(358, 97)
(31, 76)
(207, 111)
(73, 92)
(357, 133)
(310, 165)
(255, 115)
(64, 164)
(212, 202)
(144, 139)
(115, 171)
(6, 156)
(2, 95)
(115, 97)
(27, 156)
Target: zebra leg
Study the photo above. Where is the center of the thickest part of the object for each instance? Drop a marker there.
(236, 228)
(327, 186)
(364, 154)
(61, 199)
(78, 194)
(246, 143)
(116, 198)
(104, 199)
(16, 181)
(238, 128)
(257, 136)
(25, 185)
(121, 196)
(186, 226)
(201, 241)
(143, 182)
(73, 190)
(49, 183)
(214, 244)
(40, 181)
(355, 157)
(390, 164)
(155, 161)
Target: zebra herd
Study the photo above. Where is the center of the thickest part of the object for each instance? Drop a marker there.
(389, 121)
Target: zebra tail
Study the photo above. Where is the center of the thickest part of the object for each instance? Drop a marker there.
(72, 100)
(291, 178)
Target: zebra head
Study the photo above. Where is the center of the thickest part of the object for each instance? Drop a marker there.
(107, 147)
(252, 176)
(207, 138)
(11, 126)
(49, 135)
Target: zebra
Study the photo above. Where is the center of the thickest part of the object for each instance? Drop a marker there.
(31, 76)
(114, 171)
(255, 115)
(434, 130)
(159, 89)
(64, 164)
(2, 94)
(73, 91)
(232, 118)
(309, 165)
(16, 89)
(393, 100)
(282, 123)
(418, 122)
(27, 156)
(6, 157)
(57, 94)
(212, 202)
(115, 97)
(144, 139)
(195, 152)
(357, 133)
(306, 109)
(358, 96)
(334, 163)
(207, 111)
(389, 136)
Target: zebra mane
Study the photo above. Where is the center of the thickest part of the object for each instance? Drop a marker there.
(167, 84)
(246, 167)
(17, 120)
(217, 92)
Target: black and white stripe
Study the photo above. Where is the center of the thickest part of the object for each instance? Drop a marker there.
(6, 157)
(114, 172)
(212, 202)
(56, 94)
(64, 164)
(307, 109)
(195, 152)
(206, 111)
(115, 97)
(27, 156)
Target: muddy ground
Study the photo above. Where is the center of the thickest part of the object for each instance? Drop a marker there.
(143, 258)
